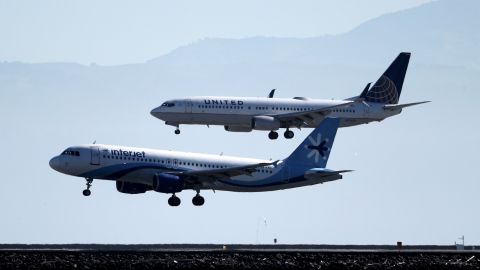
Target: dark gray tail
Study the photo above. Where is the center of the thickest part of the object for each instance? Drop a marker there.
(388, 87)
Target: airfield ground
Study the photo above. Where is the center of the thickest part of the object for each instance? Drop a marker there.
(233, 257)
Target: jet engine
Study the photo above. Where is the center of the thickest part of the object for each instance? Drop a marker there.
(132, 188)
(238, 128)
(265, 123)
(167, 183)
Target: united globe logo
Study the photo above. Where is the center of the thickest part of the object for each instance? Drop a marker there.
(384, 91)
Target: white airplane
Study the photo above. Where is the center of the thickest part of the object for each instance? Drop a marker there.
(137, 170)
(244, 114)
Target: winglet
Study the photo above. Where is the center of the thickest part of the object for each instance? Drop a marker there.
(365, 91)
(272, 92)
(363, 95)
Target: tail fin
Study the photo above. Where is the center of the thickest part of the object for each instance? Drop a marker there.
(388, 87)
(314, 151)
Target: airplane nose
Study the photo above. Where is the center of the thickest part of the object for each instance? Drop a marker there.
(156, 112)
(54, 163)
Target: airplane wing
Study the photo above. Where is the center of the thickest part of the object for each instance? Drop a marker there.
(393, 107)
(212, 175)
(307, 116)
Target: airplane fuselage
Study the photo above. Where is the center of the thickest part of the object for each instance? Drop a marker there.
(140, 165)
(236, 113)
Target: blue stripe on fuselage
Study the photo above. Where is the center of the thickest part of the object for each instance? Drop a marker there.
(117, 171)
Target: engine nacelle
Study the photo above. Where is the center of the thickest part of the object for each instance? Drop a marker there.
(132, 188)
(167, 183)
(238, 128)
(265, 123)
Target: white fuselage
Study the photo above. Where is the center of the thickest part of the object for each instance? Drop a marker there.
(139, 165)
(237, 112)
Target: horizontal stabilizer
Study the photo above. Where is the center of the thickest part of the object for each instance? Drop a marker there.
(394, 107)
(324, 175)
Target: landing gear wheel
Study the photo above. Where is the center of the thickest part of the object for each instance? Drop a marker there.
(87, 192)
(177, 131)
(272, 135)
(288, 134)
(198, 200)
(174, 201)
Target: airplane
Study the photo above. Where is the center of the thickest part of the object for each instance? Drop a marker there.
(244, 114)
(137, 170)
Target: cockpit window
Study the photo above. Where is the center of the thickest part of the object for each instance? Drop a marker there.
(168, 104)
(70, 153)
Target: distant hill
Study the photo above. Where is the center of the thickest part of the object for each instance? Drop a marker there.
(438, 33)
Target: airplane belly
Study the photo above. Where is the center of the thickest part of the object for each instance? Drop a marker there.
(142, 176)
(348, 122)
(181, 118)
(251, 186)
(222, 119)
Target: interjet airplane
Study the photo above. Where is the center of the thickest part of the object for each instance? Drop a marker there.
(137, 170)
(244, 114)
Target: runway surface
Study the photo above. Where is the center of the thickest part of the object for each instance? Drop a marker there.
(234, 257)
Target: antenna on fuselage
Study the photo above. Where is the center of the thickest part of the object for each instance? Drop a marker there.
(94, 142)
(272, 92)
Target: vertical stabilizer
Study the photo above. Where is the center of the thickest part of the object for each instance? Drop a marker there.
(314, 151)
(388, 87)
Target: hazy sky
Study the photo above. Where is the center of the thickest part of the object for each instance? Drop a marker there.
(119, 32)
(414, 181)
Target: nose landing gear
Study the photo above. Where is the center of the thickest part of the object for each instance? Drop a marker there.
(87, 192)
(177, 131)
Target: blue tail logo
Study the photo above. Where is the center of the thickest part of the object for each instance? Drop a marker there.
(313, 152)
(318, 147)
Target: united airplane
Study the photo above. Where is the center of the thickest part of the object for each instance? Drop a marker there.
(244, 114)
(137, 170)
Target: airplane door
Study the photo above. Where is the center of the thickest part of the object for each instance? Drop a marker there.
(366, 110)
(175, 163)
(172, 163)
(188, 106)
(95, 155)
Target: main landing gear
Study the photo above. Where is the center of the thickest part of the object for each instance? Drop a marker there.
(197, 200)
(273, 135)
(174, 200)
(288, 134)
(87, 192)
(177, 131)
